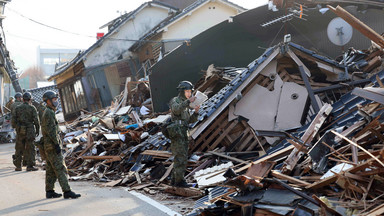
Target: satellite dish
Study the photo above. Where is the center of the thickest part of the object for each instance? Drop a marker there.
(339, 32)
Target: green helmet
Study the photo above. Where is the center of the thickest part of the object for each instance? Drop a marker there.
(11, 98)
(18, 95)
(27, 96)
(185, 85)
(49, 95)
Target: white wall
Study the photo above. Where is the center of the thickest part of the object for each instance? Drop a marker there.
(110, 49)
(200, 20)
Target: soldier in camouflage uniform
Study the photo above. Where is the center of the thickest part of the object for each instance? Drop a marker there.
(178, 130)
(18, 102)
(55, 167)
(27, 127)
(9, 104)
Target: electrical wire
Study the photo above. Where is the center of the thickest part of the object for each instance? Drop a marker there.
(36, 40)
(88, 36)
(45, 25)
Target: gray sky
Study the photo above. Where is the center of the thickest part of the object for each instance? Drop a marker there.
(83, 17)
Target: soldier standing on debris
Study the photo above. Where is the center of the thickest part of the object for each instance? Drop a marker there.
(27, 126)
(55, 167)
(178, 130)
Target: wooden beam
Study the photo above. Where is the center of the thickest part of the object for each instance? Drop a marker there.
(289, 178)
(165, 154)
(331, 179)
(109, 158)
(166, 174)
(307, 137)
(358, 146)
(281, 153)
(299, 62)
(185, 192)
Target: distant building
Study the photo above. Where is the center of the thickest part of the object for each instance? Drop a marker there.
(48, 58)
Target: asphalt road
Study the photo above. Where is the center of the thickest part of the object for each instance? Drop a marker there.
(22, 193)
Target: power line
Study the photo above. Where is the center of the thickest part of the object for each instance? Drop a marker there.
(88, 36)
(45, 25)
(36, 40)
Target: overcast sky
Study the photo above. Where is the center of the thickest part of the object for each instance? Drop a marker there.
(83, 17)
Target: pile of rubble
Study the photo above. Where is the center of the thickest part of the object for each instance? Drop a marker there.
(293, 133)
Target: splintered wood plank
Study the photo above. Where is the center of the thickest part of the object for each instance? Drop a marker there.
(358, 146)
(166, 174)
(185, 192)
(281, 153)
(289, 178)
(307, 137)
(165, 154)
(379, 210)
(117, 158)
(331, 179)
(139, 187)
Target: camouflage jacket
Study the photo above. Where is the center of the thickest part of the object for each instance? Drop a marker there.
(9, 106)
(15, 104)
(25, 115)
(50, 129)
(180, 110)
(13, 107)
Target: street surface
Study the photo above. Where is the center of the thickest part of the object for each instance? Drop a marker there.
(22, 193)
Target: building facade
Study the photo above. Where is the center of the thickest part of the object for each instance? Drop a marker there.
(48, 59)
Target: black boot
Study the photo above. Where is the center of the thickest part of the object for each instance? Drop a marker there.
(52, 194)
(182, 184)
(71, 194)
(32, 168)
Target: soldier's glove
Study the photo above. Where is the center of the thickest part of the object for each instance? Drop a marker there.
(58, 149)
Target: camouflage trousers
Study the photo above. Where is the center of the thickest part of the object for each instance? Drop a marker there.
(24, 151)
(179, 148)
(55, 170)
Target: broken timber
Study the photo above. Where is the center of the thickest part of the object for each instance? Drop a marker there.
(307, 137)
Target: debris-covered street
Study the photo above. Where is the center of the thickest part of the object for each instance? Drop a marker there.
(21, 197)
(205, 108)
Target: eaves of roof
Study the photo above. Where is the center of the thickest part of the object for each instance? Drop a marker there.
(185, 12)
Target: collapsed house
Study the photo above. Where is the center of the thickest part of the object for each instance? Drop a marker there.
(272, 113)
(277, 92)
(293, 133)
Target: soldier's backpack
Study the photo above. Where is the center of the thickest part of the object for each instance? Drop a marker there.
(164, 126)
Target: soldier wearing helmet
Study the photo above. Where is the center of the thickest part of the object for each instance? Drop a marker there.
(178, 130)
(18, 101)
(27, 125)
(55, 165)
